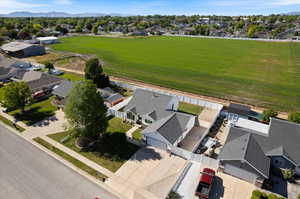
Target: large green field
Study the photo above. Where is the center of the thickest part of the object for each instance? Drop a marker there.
(260, 73)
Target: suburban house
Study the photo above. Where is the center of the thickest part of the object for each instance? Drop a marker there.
(249, 154)
(22, 49)
(170, 130)
(47, 40)
(110, 97)
(61, 92)
(146, 107)
(165, 127)
(41, 84)
(9, 67)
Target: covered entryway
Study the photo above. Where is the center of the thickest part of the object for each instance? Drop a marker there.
(240, 173)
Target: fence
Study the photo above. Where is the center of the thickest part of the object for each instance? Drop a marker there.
(181, 98)
(112, 112)
(195, 157)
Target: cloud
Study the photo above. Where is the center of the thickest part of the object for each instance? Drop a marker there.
(63, 2)
(13, 5)
(286, 2)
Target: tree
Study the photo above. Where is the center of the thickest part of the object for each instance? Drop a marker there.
(95, 29)
(173, 195)
(16, 95)
(267, 114)
(85, 111)
(294, 117)
(49, 66)
(93, 71)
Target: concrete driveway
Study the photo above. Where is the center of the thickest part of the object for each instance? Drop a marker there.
(150, 173)
(229, 187)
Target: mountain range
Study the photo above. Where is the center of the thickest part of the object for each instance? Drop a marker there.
(56, 14)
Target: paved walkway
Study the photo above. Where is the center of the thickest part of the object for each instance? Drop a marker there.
(132, 130)
(11, 118)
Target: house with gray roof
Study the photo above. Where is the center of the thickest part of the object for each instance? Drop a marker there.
(146, 107)
(9, 67)
(61, 92)
(110, 97)
(169, 131)
(249, 154)
(22, 49)
(37, 81)
(165, 127)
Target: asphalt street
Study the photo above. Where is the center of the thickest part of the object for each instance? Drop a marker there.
(26, 172)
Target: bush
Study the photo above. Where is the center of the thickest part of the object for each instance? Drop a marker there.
(272, 196)
(173, 195)
(267, 114)
(256, 194)
(294, 117)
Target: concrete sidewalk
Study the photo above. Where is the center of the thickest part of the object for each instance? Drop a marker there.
(12, 119)
(132, 130)
(79, 157)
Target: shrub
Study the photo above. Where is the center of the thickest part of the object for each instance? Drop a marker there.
(294, 117)
(272, 196)
(267, 114)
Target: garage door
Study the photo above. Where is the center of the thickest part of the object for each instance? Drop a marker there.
(156, 143)
(240, 173)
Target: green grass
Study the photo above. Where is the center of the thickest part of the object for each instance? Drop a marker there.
(190, 108)
(137, 135)
(70, 159)
(11, 124)
(111, 152)
(35, 112)
(260, 73)
(72, 76)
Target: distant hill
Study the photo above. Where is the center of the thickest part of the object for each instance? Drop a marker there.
(56, 14)
(292, 13)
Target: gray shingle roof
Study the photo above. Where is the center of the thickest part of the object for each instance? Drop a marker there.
(145, 102)
(245, 148)
(171, 127)
(15, 46)
(63, 89)
(38, 80)
(9, 67)
(283, 138)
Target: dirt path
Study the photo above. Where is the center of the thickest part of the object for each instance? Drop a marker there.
(282, 115)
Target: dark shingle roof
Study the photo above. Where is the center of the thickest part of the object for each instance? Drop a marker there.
(244, 147)
(38, 80)
(145, 102)
(171, 127)
(239, 109)
(63, 89)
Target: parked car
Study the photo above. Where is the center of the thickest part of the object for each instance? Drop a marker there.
(34, 68)
(56, 72)
(205, 183)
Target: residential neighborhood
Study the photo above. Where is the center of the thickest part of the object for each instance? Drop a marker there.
(87, 111)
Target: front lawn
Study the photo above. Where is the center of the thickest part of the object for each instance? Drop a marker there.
(111, 152)
(35, 112)
(137, 135)
(70, 159)
(189, 108)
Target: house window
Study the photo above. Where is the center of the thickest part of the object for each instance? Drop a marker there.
(130, 116)
(148, 121)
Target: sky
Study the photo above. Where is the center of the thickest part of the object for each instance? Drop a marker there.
(149, 7)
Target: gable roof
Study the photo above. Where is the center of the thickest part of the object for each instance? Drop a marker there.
(15, 46)
(37, 80)
(245, 148)
(8, 67)
(171, 127)
(145, 102)
(283, 139)
(63, 89)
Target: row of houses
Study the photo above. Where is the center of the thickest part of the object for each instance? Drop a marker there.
(251, 148)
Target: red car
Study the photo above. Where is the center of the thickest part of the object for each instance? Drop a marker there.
(205, 183)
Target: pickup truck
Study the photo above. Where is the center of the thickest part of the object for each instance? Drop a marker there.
(205, 183)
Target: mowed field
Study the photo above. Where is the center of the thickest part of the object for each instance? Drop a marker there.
(260, 73)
